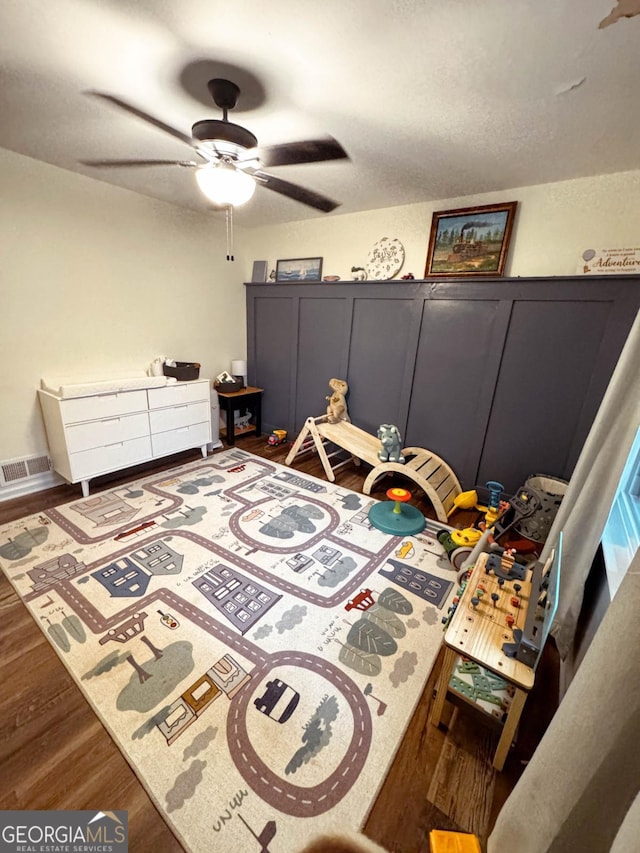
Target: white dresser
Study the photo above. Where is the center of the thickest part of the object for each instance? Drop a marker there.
(99, 433)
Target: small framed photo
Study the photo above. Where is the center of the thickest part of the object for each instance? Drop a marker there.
(470, 241)
(299, 269)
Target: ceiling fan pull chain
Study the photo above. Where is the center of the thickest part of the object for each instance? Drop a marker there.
(229, 218)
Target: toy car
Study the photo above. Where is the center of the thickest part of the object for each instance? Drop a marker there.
(278, 436)
(279, 701)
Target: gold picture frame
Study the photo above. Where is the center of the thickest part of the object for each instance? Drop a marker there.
(470, 241)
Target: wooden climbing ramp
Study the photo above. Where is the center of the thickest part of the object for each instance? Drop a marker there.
(424, 468)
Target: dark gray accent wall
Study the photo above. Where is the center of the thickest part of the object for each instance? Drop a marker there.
(323, 336)
(500, 377)
(275, 349)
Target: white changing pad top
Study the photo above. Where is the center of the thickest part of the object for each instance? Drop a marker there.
(65, 388)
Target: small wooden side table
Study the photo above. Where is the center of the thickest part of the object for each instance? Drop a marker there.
(477, 632)
(249, 398)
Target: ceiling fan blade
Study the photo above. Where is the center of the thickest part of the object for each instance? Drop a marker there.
(117, 164)
(156, 122)
(305, 151)
(309, 197)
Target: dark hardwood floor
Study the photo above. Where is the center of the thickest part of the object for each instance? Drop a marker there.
(55, 753)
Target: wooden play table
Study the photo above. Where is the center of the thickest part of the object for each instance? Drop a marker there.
(477, 632)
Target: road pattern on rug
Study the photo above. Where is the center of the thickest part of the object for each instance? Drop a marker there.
(253, 645)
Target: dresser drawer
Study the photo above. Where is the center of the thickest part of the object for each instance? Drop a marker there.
(181, 392)
(183, 438)
(103, 406)
(100, 460)
(85, 436)
(162, 420)
(94, 435)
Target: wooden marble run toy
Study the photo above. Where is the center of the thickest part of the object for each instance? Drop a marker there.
(331, 440)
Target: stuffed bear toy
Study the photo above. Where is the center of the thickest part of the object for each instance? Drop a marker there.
(337, 408)
(390, 451)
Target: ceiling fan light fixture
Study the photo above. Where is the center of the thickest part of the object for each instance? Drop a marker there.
(224, 185)
(231, 162)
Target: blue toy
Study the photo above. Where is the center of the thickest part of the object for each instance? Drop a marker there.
(397, 519)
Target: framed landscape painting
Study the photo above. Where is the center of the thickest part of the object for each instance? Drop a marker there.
(470, 241)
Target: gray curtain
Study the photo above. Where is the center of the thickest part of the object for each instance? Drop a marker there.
(580, 789)
(585, 508)
(629, 833)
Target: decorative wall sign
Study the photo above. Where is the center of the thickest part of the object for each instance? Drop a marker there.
(607, 261)
(385, 259)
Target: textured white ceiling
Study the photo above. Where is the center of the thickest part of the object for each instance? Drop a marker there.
(431, 100)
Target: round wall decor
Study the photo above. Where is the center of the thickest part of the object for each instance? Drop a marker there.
(385, 259)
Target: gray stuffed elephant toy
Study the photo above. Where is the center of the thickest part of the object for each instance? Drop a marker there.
(390, 451)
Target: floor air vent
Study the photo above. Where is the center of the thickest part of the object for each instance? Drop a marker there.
(16, 470)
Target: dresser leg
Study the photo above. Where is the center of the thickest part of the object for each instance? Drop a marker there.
(85, 488)
(203, 450)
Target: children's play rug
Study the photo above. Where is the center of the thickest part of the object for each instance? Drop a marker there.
(253, 645)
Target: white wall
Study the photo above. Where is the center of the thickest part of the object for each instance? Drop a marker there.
(94, 279)
(554, 224)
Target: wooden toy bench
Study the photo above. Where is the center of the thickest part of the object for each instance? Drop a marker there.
(427, 470)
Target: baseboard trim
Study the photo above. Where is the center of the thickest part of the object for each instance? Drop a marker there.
(47, 480)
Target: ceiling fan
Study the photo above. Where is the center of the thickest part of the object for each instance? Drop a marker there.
(230, 161)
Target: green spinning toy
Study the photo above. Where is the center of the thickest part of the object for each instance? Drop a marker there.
(395, 518)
